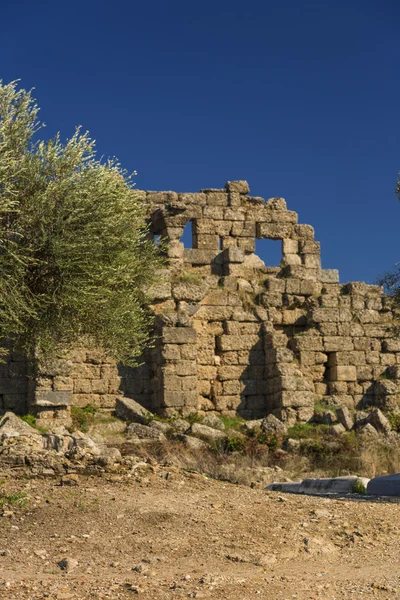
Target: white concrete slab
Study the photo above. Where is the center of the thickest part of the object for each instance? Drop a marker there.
(331, 485)
(288, 487)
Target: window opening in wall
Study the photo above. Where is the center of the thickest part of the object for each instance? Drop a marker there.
(331, 356)
(187, 235)
(220, 243)
(270, 251)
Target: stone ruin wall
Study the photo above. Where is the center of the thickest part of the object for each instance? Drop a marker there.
(234, 335)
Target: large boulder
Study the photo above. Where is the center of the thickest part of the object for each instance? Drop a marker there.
(192, 443)
(207, 434)
(273, 425)
(379, 421)
(344, 417)
(325, 417)
(213, 421)
(143, 433)
(9, 422)
(180, 425)
(129, 410)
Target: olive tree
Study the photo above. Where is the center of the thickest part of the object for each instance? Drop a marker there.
(75, 254)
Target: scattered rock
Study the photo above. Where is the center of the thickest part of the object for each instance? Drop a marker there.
(325, 417)
(291, 445)
(192, 443)
(379, 421)
(317, 546)
(70, 479)
(368, 430)
(10, 421)
(137, 431)
(109, 456)
(273, 425)
(129, 410)
(84, 441)
(180, 425)
(68, 564)
(251, 425)
(213, 421)
(337, 429)
(344, 417)
(160, 426)
(207, 434)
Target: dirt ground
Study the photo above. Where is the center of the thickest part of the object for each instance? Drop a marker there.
(162, 533)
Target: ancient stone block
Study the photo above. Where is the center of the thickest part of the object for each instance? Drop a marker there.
(290, 246)
(198, 256)
(284, 216)
(247, 244)
(311, 261)
(217, 198)
(233, 255)
(276, 204)
(337, 344)
(391, 345)
(292, 259)
(343, 373)
(50, 398)
(274, 231)
(329, 276)
(231, 387)
(230, 372)
(179, 335)
(186, 367)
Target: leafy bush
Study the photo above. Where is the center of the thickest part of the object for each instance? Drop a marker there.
(30, 419)
(83, 418)
(194, 417)
(300, 430)
(359, 487)
(394, 420)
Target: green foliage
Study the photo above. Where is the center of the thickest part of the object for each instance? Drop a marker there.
(386, 375)
(391, 279)
(194, 417)
(359, 487)
(248, 300)
(232, 422)
(83, 418)
(394, 420)
(75, 255)
(232, 443)
(300, 430)
(18, 499)
(31, 420)
(189, 276)
(321, 406)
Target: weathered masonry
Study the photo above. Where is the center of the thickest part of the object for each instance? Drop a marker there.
(235, 335)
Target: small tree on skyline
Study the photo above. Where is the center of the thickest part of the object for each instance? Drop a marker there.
(75, 255)
(391, 279)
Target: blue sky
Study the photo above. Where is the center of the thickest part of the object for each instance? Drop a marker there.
(299, 98)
